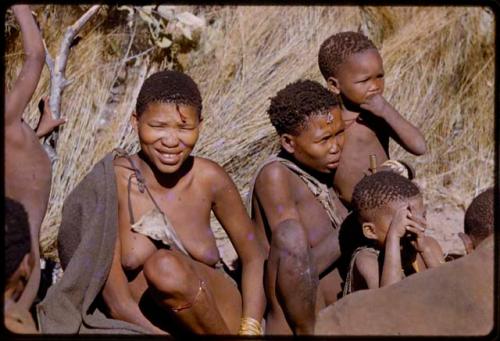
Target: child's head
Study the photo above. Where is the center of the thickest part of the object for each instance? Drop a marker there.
(308, 119)
(167, 119)
(376, 199)
(352, 66)
(18, 260)
(479, 220)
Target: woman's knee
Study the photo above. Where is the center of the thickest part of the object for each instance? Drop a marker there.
(168, 273)
(291, 237)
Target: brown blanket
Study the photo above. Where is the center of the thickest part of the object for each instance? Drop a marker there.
(453, 299)
(86, 242)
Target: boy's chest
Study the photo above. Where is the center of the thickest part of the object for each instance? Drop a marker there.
(361, 133)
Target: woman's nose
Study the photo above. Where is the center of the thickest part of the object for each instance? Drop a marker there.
(170, 139)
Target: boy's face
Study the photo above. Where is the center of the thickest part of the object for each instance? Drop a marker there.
(167, 133)
(319, 144)
(381, 218)
(360, 76)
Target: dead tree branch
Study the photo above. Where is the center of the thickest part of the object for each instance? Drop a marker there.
(58, 81)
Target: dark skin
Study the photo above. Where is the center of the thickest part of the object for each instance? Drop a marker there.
(398, 232)
(18, 319)
(27, 167)
(370, 120)
(187, 189)
(302, 242)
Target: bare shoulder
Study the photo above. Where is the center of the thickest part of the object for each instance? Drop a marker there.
(122, 168)
(208, 170)
(366, 257)
(367, 265)
(273, 174)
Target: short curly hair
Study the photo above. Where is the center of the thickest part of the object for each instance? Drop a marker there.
(16, 237)
(381, 188)
(293, 105)
(338, 47)
(168, 86)
(479, 217)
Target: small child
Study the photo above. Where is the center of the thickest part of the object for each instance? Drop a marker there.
(479, 220)
(18, 267)
(391, 213)
(352, 67)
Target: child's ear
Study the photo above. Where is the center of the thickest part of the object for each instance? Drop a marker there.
(26, 266)
(369, 230)
(333, 85)
(288, 143)
(134, 121)
(469, 245)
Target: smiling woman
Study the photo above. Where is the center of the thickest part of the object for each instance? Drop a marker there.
(166, 274)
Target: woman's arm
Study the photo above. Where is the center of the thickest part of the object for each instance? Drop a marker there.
(19, 96)
(230, 211)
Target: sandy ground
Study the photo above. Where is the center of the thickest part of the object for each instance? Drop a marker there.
(444, 222)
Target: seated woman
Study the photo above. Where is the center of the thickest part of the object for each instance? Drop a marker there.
(166, 273)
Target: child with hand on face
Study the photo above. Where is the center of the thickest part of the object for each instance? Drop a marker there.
(353, 69)
(390, 210)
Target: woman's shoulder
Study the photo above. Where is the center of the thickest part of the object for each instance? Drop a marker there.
(207, 167)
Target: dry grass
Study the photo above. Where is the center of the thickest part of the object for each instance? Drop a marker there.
(439, 64)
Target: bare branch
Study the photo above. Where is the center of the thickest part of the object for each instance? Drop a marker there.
(57, 69)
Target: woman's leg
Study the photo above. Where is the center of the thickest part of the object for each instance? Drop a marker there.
(203, 299)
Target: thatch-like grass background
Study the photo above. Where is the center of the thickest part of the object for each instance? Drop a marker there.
(439, 64)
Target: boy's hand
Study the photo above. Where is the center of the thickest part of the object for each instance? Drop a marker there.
(403, 222)
(420, 242)
(47, 123)
(376, 104)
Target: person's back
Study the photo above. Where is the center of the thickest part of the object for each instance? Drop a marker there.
(353, 69)
(295, 208)
(27, 166)
(391, 214)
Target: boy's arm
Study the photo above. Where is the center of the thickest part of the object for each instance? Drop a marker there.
(430, 250)
(230, 211)
(392, 268)
(118, 299)
(403, 132)
(24, 86)
(391, 271)
(367, 265)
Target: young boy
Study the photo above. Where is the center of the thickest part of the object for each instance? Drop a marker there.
(479, 220)
(27, 166)
(352, 67)
(391, 213)
(295, 208)
(18, 266)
